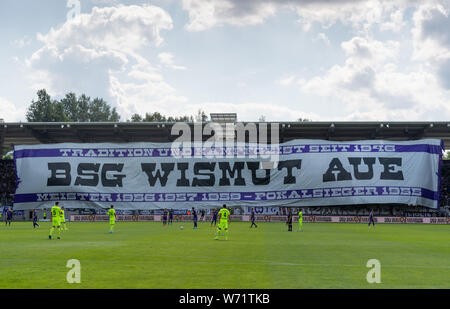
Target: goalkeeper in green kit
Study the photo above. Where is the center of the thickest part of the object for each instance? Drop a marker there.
(224, 219)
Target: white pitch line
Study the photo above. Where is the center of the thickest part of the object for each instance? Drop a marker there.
(284, 264)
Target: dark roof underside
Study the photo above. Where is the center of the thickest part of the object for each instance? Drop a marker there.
(120, 132)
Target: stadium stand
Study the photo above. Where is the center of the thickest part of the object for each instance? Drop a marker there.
(7, 182)
(8, 179)
(445, 187)
(41, 133)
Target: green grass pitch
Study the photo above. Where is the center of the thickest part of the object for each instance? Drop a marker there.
(148, 255)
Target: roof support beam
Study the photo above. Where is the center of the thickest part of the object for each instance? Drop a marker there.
(42, 137)
(80, 136)
(2, 140)
(330, 132)
(375, 133)
(121, 133)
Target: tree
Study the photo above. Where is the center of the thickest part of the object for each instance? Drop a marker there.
(446, 155)
(201, 116)
(70, 108)
(158, 117)
(180, 119)
(155, 117)
(136, 118)
(303, 120)
(262, 118)
(45, 110)
(8, 156)
(82, 105)
(99, 110)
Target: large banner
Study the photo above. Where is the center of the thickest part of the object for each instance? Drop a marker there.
(298, 173)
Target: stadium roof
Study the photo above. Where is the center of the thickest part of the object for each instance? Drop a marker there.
(84, 132)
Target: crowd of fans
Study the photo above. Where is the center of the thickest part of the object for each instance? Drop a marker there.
(381, 210)
(445, 184)
(7, 182)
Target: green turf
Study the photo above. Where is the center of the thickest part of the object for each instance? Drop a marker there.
(148, 255)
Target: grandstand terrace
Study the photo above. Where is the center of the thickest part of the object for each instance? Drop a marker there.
(122, 132)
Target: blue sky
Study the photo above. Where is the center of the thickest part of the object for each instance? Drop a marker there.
(282, 59)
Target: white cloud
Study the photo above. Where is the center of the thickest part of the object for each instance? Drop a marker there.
(251, 111)
(10, 112)
(104, 1)
(361, 15)
(145, 92)
(370, 86)
(23, 42)
(167, 60)
(121, 28)
(431, 39)
(205, 14)
(323, 37)
(396, 22)
(286, 81)
(376, 81)
(363, 49)
(40, 79)
(104, 53)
